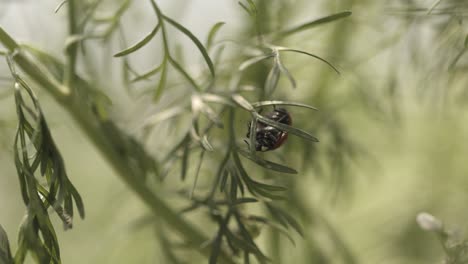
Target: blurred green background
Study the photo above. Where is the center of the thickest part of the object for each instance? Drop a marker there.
(400, 100)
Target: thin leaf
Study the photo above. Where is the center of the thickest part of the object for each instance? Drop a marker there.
(267, 164)
(212, 34)
(284, 218)
(272, 79)
(78, 200)
(147, 74)
(60, 5)
(5, 252)
(242, 102)
(295, 131)
(316, 22)
(252, 6)
(223, 181)
(214, 98)
(286, 72)
(253, 137)
(246, 9)
(254, 60)
(185, 157)
(312, 55)
(266, 103)
(206, 144)
(140, 43)
(196, 174)
(181, 70)
(162, 81)
(274, 226)
(164, 115)
(433, 6)
(195, 41)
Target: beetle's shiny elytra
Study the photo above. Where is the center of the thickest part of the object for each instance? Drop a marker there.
(268, 137)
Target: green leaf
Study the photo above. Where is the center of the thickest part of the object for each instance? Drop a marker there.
(267, 164)
(162, 81)
(223, 181)
(253, 136)
(273, 225)
(195, 41)
(164, 115)
(206, 145)
(140, 43)
(242, 102)
(433, 6)
(5, 253)
(284, 218)
(246, 9)
(295, 131)
(197, 172)
(254, 60)
(312, 55)
(315, 23)
(60, 5)
(267, 103)
(214, 98)
(148, 74)
(286, 72)
(78, 200)
(212, 34)
(185, 157)
(272, 79)
(181, 70)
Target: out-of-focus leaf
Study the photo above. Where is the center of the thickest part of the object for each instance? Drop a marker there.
(214, 98)
(5, 253)
(311, 55)
(433, 6)
(146, 75)
(195, 41)
(184, 73)
(211, 35)
(253, 136)
(289, 129)
(242, 102)
(206, 144)
(162, 81)
(185, 157)
(315, 23)
(267, 164)
(140, 43)
(286, 72)
(284, 218)
(267, 103)
(272, 79)
(254, 60)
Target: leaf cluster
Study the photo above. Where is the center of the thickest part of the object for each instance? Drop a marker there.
(35, 152)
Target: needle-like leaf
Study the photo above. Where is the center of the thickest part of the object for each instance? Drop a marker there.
(195, 41)
(211, 35)
(311, 55)
(289, 129)
(267, 103)
(315, 23)
(267, 164)
(140, 43)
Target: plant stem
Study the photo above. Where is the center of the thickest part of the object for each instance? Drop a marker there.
(93, 129)
(73, 48)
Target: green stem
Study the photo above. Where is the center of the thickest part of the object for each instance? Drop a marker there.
(93, 129)
(72, 50)
(36, 71)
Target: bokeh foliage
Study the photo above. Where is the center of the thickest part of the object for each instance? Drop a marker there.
(390, 125)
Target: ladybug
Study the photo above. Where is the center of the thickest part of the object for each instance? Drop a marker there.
(269, 137)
